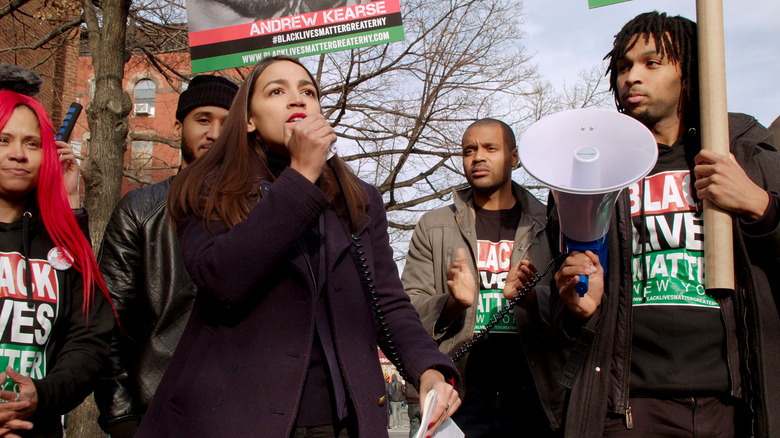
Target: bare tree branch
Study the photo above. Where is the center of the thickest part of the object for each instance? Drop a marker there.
(12, 6)
(135, 136)
(54, 34)
(140, 179)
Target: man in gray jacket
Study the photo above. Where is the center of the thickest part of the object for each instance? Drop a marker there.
(141, 263)
(464, 260)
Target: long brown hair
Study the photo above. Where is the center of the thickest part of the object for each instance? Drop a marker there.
(224, 183)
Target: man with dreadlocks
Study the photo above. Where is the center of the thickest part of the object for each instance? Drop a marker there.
(662, 357)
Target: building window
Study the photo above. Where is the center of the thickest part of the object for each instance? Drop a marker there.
(141, 154)
(145, 91)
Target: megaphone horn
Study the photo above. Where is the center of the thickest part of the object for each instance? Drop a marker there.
(586, 157)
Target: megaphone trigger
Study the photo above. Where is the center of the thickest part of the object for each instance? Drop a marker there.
(598, 247)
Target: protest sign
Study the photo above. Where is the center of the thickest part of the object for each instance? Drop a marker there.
(309, 32)
(597, 3)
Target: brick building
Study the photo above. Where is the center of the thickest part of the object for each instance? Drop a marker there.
(56, 62)
(154, 105)
(155, 97)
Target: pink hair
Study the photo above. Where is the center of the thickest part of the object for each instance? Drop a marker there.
(58, 220)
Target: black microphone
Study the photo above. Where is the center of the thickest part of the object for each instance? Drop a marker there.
(70, 120)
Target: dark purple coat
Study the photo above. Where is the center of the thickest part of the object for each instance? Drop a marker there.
(240, 366)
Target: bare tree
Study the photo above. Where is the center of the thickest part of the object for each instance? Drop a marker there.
(107, 115)
(400, 109)
(590, 90)
(108, 125)
(40, 36)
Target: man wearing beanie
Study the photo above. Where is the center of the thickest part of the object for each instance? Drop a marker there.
(141, 263)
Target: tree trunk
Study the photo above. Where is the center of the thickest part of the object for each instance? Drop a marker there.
(107, 118)
(82, 421)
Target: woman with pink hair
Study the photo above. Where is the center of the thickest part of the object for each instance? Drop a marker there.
(54, 328)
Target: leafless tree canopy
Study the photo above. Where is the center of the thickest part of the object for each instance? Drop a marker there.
(401, 109)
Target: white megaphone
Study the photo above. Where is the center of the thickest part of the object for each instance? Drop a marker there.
(586, 157)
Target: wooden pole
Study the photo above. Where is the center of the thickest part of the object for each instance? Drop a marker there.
(718, 243)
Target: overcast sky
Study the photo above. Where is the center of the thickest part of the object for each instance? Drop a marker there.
(567, 37)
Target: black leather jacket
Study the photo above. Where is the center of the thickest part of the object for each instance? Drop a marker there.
(141, 262)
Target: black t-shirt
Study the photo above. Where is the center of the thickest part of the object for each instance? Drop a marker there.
(502, 349)
(678, 333)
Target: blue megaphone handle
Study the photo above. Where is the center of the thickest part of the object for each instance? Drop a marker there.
(598, 247)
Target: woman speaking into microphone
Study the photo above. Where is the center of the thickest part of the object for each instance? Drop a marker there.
(296, 279)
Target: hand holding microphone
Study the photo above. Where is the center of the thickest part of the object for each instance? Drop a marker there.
(309, 139)
(71, 170)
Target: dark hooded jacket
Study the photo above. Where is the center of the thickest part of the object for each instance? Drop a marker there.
(72, 346)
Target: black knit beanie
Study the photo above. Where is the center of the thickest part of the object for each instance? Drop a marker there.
(19, 79)
(206, 90)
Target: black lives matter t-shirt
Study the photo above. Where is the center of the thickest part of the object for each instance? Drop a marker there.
(502, 348)
(26, 324)
(678, 334)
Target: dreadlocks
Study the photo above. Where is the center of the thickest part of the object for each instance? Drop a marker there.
(675, 38)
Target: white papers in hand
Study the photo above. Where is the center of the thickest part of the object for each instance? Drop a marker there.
(448, 429)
